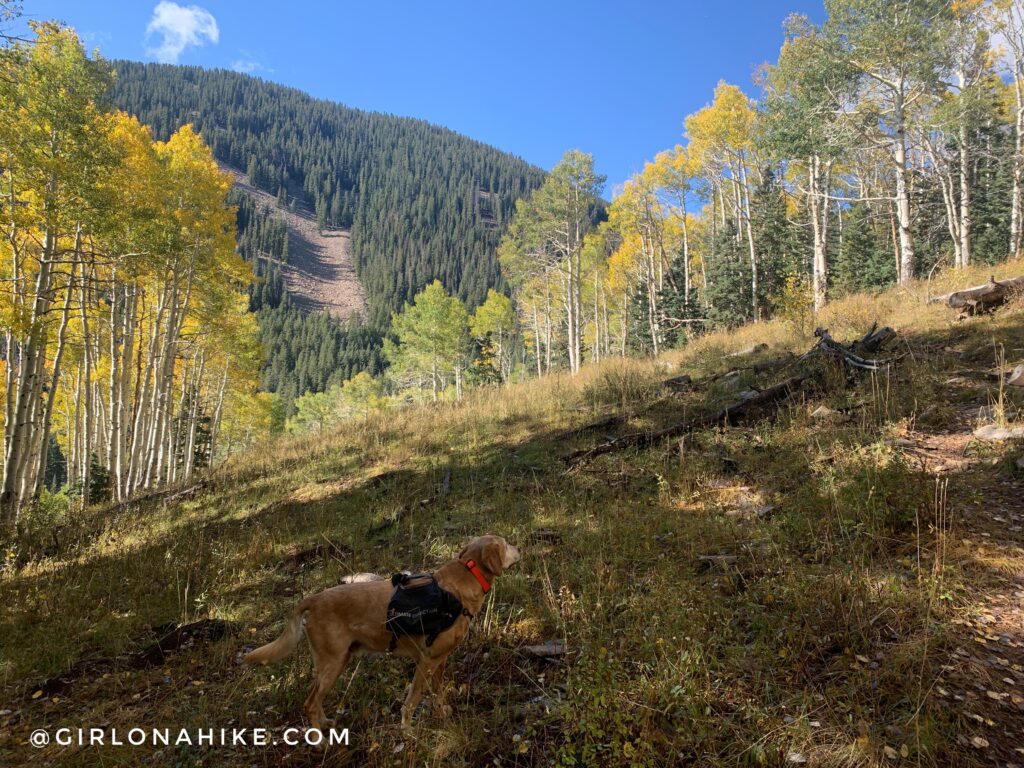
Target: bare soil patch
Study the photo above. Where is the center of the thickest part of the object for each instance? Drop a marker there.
(320, 274)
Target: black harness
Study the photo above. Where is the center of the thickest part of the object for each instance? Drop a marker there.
(420, 606)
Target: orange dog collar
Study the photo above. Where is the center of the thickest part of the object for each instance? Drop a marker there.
(479, 576)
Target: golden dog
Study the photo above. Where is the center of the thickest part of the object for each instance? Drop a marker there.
(350, 619)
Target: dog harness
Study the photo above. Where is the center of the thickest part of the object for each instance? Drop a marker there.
(421, 606)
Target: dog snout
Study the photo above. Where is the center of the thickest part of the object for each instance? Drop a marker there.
(513, 555)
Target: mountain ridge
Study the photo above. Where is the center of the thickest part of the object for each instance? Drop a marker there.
(422, 201)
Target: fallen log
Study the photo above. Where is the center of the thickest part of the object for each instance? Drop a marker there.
(983, 298)
(873, 340)
(1014, 378)
(829, 347)
(749, 351)
(731, 414)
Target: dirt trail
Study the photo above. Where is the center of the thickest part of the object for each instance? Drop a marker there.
(320, 274)
(983, 680)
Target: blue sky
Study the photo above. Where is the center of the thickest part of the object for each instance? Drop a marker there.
(615, 79)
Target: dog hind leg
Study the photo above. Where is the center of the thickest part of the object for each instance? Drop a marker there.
(329, 661)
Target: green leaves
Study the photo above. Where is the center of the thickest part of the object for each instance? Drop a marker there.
(433, 339)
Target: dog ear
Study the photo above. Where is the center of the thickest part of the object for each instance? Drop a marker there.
(462, 554)
(493, 558)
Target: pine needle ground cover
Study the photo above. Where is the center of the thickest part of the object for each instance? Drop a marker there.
(833, 586)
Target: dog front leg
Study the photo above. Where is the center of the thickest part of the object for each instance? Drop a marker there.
(424, 673)
(437, 687)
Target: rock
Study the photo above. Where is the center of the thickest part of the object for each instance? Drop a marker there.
(718, 561)
(681, 383)
(994, 432)
(360, 578)
(1016, 377)
(546, 650)
(823, 414)
(546, 536)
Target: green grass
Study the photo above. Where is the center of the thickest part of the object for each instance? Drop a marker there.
(823, 638)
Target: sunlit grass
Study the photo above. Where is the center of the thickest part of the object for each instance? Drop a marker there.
(834, 543)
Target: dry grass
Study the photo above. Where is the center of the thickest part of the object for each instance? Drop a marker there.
(824, 638)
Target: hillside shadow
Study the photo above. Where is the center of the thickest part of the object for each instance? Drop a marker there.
(616, 555)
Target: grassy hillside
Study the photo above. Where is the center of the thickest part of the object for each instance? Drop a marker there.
(867, 610)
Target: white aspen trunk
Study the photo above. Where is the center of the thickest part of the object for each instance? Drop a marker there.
(818, 198)
(75, 449)
(624, 324)
(894, 231)
(738, 208)
(1017, 200)
(606, 351)
(100, 423)
(907, 256)
(547, 331)
(116, 344)
(946, 185)
(44, 438)
(965, 196)
(9, 381)
(14, 349)
(29, 388)
(537, 342)
(145, 384)
(218, 412)
(576, 264)
(87, 408)
(567, 293)
(650, 275)
(750, 243)
(176, 428)
(123, 393)
(686, 259)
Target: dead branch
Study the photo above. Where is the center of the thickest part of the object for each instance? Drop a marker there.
(1014, 378)
(829, 347)
(729, 415)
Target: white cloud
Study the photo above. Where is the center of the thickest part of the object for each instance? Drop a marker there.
(249, 62)
(245, 66)
(180, 27)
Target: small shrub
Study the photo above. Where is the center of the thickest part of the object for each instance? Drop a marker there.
(623, 386)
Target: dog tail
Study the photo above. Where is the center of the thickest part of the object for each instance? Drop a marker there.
(284, 645)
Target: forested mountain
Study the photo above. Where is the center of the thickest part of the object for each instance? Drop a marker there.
(423, 202)
(303, 352)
